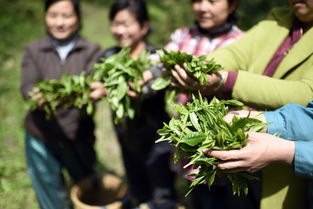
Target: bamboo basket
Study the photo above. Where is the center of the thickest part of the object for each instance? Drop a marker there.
(105, 192)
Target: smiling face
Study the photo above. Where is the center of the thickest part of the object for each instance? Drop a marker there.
(126, 29)
(61, 20)
(303, 10)
(211, 13)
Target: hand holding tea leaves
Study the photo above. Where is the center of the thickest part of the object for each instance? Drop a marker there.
(69, 91)
(119, 72)
(261, 150)
(200, 126)
(97, 90)
(198, 67)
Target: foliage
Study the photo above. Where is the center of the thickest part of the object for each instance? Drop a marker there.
(14, 29)
(201, 125)
(252, 11)
(117, 71)
(69, 91)
(15, 185)
(199, 67)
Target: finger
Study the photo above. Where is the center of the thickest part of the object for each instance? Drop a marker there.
(175, 84)
(147, 76)
(239, 114)
(225, 155)
(141, 82)
(41, 102)
(131, 85)
(132, 94)
(95, 95)
(36, 90)
(37, 96)
(229, 117)
(237, 166)
(95, 85)
(181, 82)
(98, 93)
(183, 74)
(232, 166)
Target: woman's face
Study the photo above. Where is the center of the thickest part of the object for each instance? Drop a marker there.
(211, 13)
(126, 29)
(61, 20)
(303, 10)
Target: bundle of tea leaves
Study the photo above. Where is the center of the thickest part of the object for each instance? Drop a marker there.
(200, 125)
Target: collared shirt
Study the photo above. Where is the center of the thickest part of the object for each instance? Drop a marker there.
(192, 41)
(64, 48)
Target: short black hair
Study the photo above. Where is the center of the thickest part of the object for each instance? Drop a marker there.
(137, 7)
(76, 5)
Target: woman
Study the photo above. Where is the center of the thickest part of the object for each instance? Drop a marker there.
(146, 162)
(267, 68)
(67, 139)
(214, 27)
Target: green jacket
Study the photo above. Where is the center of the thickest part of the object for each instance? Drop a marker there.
(292, 82)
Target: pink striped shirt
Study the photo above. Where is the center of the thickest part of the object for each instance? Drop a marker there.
(191, 41)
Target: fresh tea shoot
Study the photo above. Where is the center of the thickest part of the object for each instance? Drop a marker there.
(117, 71)
(198, 66)
(200, 125)
(69, 91)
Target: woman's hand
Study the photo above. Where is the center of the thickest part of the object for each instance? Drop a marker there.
(184, 80)
(132, 92)
(37, 95)
(261, 150)
(98, 91)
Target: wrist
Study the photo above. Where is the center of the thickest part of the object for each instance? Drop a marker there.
(222, 76)
(285, 150)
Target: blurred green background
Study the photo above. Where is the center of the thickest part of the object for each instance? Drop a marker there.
(22, 21)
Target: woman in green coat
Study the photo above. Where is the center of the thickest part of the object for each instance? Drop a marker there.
(270, 66)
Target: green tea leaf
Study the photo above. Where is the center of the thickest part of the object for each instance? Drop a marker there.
(193, 139)
(161, 83)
